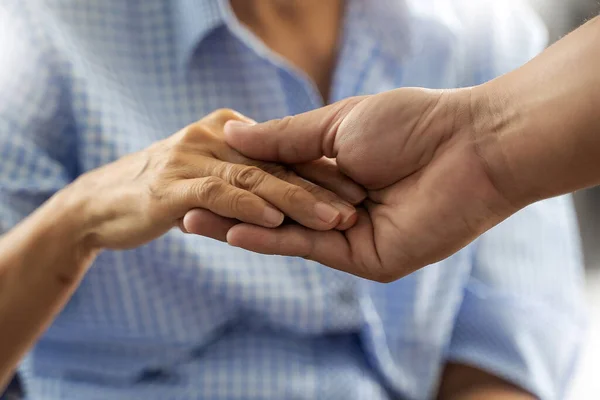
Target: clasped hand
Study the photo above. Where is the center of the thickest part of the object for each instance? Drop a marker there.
(412, 158)
(195, 172)
(420, 155)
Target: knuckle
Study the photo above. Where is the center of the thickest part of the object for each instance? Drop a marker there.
(235, 199)
(192, 134)
(249, 177)
(223, 115)
(209, 188)
(281, 124)
(281, 172)
(291, 194)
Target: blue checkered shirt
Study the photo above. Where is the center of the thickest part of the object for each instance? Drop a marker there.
(83, 83)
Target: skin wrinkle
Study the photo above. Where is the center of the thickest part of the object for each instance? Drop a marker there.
(379, 262)
(419, 127)
(404, 254)
(480, 141)
(290, 147)
(347, 124)
(332, 124)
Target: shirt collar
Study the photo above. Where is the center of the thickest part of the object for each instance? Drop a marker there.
(388, 21)
(192, 21)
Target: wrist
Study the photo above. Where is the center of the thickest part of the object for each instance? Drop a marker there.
(47, 244)
(496, 120)
(65, 217)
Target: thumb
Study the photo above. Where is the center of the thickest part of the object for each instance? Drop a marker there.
(295, 139)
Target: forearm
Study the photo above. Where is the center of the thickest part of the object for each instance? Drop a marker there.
(538, 128)
(41, 264)
(488, 393)
(462, 382)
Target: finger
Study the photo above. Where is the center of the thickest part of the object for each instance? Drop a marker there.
(298, 139)
(293, 200)
(325, 172)
(352, 251)
(216, 195)
(327, 247)
(206, 223)
(330, 176)
(347, 211)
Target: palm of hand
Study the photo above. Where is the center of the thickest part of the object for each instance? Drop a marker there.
(429, 196)
(425, 217)
(416, 153)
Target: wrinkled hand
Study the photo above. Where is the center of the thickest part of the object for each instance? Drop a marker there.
(418, 154)
(139, 197)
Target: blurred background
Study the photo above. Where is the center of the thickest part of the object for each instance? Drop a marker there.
(561, 16)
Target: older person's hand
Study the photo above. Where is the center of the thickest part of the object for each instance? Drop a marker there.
(141, 196)
(418, 154)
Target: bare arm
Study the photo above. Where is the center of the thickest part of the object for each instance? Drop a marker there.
(539, 127)
(42, 261)
(462, 382)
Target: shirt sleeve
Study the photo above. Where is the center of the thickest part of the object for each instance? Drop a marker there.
(522, 316)
(36, 133)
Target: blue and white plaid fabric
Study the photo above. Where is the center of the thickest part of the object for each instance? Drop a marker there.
(83, 83)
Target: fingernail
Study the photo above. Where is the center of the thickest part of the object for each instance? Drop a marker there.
(236, 124)
(326, 212)
(272, 216)
(345, 208)
(355, 195)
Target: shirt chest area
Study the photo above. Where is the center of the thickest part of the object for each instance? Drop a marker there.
(124, 101)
